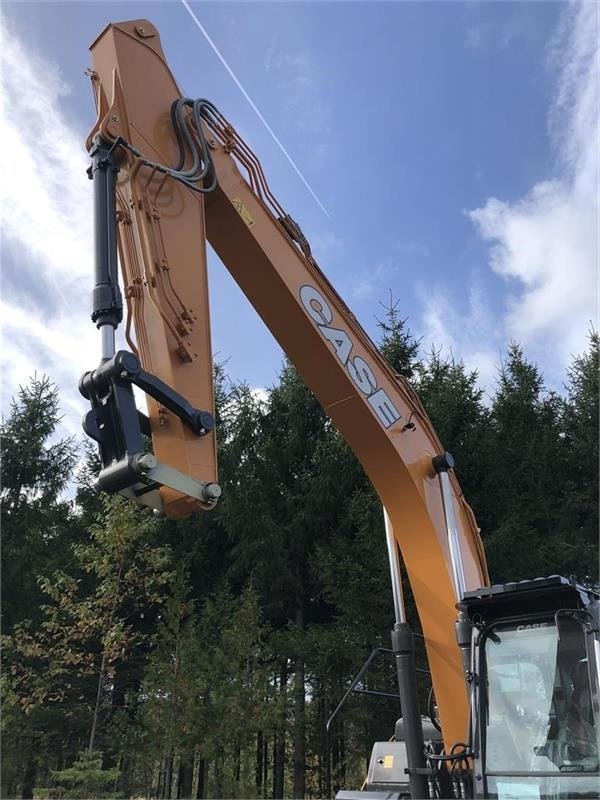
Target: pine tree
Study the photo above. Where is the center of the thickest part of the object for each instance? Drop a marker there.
(397, 344)
(90, 627)
(36, 520)
(86, 778)
(526, 468)
(577, 522)
(455, 404)
(37, 532)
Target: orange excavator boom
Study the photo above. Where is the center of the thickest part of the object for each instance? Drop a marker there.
(182, 176)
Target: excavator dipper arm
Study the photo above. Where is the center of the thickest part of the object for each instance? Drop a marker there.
(163, 222)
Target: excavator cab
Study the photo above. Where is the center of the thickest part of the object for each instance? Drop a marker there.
(534, 704)
(535, 690)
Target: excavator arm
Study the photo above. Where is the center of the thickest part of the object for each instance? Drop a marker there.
(164, 215)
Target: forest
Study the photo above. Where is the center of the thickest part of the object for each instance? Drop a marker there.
(202, 658)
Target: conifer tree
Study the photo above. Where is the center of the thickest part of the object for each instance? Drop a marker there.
(397, 344)
(577, 522)
(89, 628)
(526, 469)
(36, 520)
(37, 531)
(454, 402)
(86, 778)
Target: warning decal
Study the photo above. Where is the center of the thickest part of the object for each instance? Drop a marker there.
(243, 212)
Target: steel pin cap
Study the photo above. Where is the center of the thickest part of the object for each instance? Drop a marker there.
(211, 492)
(146, 462)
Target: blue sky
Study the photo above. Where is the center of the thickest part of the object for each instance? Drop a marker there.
(453, 145)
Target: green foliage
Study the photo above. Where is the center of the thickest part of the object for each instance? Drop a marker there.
(35, 519)
(203, 656)
(91, 625)
(526, 471)
(456, 406)
(397, 344)
(84, 779)
(578, 513)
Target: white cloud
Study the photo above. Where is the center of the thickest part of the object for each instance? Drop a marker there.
(375, 280)
(498, 35)
(471, 337)
(326, 246)
(45, 213)
(545, 245)
(260, 394)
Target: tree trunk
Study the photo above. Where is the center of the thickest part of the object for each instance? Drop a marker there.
(265, 776)
(299, 716)
(201, 788)
(29, 779)
(219, 762)
(219, 773)
(322, 748)
(279, 740)
(259, 763)
(327, 767)
(160, 781)
(237, 765)
(342, 756)
(185, 778)
(99, 691)
(92, 739)
(335, 761)
(168, 776)
(127, 766)
(328, 706)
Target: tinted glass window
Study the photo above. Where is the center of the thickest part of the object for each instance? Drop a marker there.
(539, 709)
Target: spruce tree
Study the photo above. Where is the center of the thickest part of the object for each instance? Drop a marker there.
(85, 778)
(455, 404)
(36, 520)
(397, 344)
(526, 467)
(577, 521)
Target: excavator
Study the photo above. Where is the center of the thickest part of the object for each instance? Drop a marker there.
(514, 667)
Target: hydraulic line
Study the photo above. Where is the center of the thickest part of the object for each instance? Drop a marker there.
(202, 164)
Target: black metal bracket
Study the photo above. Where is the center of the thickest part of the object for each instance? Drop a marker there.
(118, 427)
(114, 421)
(125, 366)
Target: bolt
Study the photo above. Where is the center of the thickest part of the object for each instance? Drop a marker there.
(146, 462)
(114, 117)
(212, 491)
(141, 30)
(129, 363)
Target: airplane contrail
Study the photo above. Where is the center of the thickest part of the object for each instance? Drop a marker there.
(253, 105)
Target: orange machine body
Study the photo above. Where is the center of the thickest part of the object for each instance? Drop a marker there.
(162, 245)
(161, 237)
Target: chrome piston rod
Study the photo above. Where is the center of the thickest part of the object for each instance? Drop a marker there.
(441, 465)
(392, 546)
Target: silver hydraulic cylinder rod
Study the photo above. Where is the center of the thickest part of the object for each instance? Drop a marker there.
(108, 341)
(442, 464)
(392, 546)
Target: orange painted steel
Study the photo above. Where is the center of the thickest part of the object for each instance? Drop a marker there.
(163, 257)
(161, 234)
